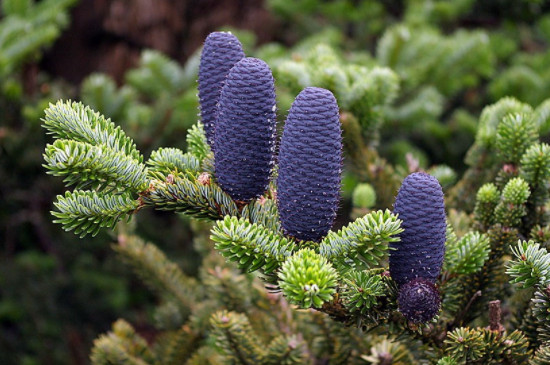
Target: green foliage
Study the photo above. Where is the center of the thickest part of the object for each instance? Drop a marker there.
(487, 199)
(541, 307)
(535, 164)
(26, 28)
(542, 356)
(308, 279)
(156, 104)
(235, 337)
(284, 350)
(532, 265)
(180, 194)
(467, 255)
(167, 160)
(74, 121)
(459, 61)
(160, 275)
(361, 290)
(511, 209)
(388, 350)
(196, 142)
(122, 346)
(158, 74)
(492, 116)
(515, 134)
(418, 96)
(99, 168)
(364, 196)
(364, 91)
(86, 212)
(483, 346)
(251, 246)
(364, 241)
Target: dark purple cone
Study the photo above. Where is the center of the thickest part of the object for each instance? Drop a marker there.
(244, 142)
(420, 252)
(220, 53)
(310, 165)
(419, 300)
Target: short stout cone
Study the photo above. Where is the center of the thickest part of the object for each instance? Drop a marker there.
(244, 142)
(419, 300)
(421, 249)
(310, 164)
(220, 53)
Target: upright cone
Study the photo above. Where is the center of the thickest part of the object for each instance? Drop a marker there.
(220, 53)
(310, 165)
(420, 252)
(244, 142)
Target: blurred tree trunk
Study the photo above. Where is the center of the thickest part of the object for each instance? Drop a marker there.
(109, 35)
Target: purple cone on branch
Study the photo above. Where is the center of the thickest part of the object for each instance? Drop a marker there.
(310, 165)
(220, 53)
(244, 142)
(421, 249)
(419, 300)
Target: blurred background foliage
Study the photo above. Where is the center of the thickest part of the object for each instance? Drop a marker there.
(411, 79)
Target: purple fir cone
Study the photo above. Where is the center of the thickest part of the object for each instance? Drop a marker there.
(244, 142)
(419, 300)
(420, 252)
(220, 53)
(310, 165)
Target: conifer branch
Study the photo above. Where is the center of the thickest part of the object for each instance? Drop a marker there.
(160, 274)
(362, 289)
(197, 144)
(263, 211)
(535, 169)
(542, 356)
(308, 279)
(96, 167)
(532, 265)
(286, 350)
(178, 193)
(467, 255)
(179, 346)
(251, 246)
(236, 338)
(86, 212)
(363, 241)
(74, 121)
(169, 160)
(541, 312)
(515, 133)
(484, 346)
(511, 207)
(121, 346)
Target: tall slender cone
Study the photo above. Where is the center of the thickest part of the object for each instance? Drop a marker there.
(420, 252)
(220, 53)
(244, 142)
(310, 165)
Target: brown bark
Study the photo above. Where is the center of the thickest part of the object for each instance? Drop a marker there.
(109, 35)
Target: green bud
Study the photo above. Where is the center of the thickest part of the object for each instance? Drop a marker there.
(364, 196)
(511, 207)
(515, 134)
(308, 279)
(535, 164)
(486, 200)
(516, 191)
